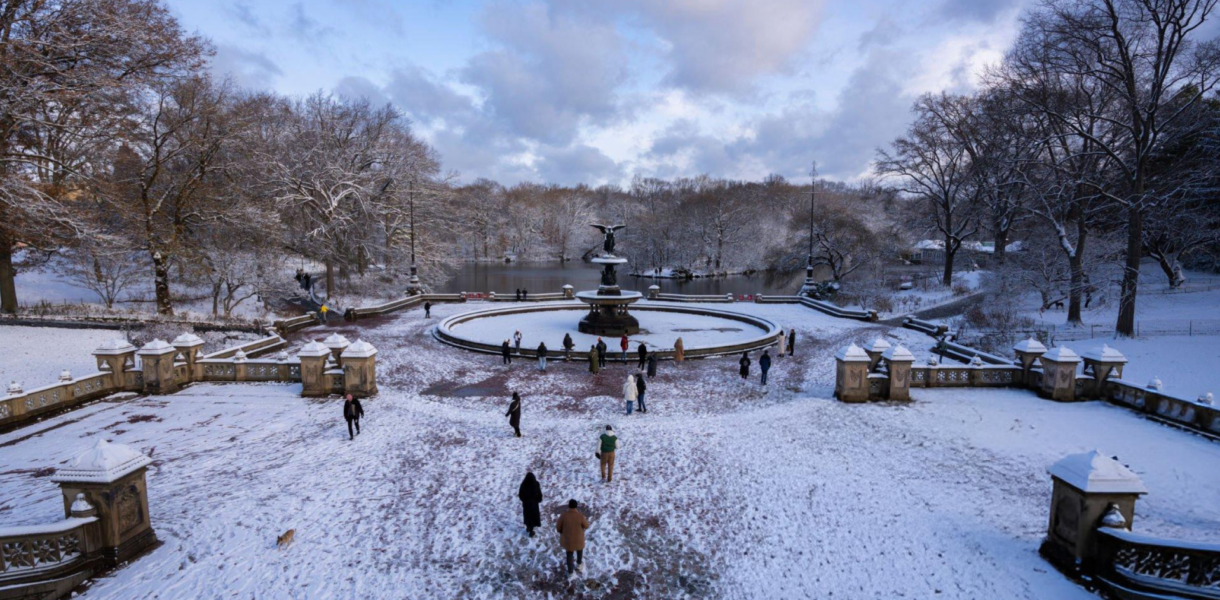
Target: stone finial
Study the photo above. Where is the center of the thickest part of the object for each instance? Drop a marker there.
(1113, 518)
(103, 463)
(933, 360)
(1206, 399)
(852, 353)
(335, 340)
(879, 345)
(114, 346)
(1105, 354)
(1155, 384)
(976, 361)
(567, 286)
(313, 349)
(187, 340)
(239, 356)
(65, 375)
(1030, 346)
(898, 353)
(156, 347)
(281, 356)
(14, 389)
(81, 507)
(1062, 354)
(361, 349)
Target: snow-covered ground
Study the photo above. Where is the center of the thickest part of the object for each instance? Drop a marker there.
(1188, 366)
(34, 356)
(724, 489)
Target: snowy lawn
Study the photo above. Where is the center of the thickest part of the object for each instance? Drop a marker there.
(723, 490)
(34, 356)
(1188, 366)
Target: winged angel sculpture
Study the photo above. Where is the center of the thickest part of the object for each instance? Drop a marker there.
(608, 231)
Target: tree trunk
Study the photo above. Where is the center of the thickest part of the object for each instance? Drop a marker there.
(1131, 270)
(947, 278)
(1001, 240)
(165, 304)
(215, 298)
(8, 275)
(330, 278)
(1172, 267)
(1076, 287)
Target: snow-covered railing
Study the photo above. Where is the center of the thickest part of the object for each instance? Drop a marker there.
(288, 326)
(966, 354)
(543, 297)
(256, 348)
(18, 405)
(928, 327)
(829, 308)
(1199, 414)
(713, 298)
(1135, 565)
(45, 551)
(362, 312)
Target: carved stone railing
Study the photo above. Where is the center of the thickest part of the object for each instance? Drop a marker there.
(37, 551)
(829, 308)
(1137, 565)
(710, 298)
(1185, 412)
(355, 314)
(259, 347)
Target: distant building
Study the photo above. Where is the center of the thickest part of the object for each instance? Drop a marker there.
(932, 252)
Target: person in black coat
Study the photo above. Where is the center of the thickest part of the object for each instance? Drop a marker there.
(642, 350)
(640, 388)
(764, 364)
(506, 354)
(601, 352)
(514, 414)
(568, 344)
(542, 356)
(530, 494)
(525, 294)
(792, 341)
(427, 309)
(518, 294)
(652, 364)
(352, 411)
(745, 365)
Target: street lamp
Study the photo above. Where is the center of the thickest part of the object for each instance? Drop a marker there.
(413, 285)
(810, 284)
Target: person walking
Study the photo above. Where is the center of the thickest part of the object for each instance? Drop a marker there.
(530, 495)
(504, 352)
(352, 411)
(568, 344)
(514, 414)
(607, 445)
(525, 294)
(792, 342)
(595, 363)
(679, 351)
(517, 341)
(322, 313)
(601, 352)
(571, 527)
(630, 393)
(542, 356)
(764, 364)
(782, 342)
(518, 294)
(624, 343)
(745, 365)
(640, 387)
(652, 365)
(642, 351)
(427, 309)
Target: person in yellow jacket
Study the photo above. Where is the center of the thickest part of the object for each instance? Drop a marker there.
(322, 313)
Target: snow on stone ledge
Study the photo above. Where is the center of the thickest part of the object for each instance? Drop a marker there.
(898, 353)
(852, 353)
(156, 348)
(1061, 354)
(103, 463)
(1105, 353)
(361, 349)
(335, 340)
(1092, 472)
(880, 345)
(115, 346)
(1031, 345)
(313, 349)
(188, 339)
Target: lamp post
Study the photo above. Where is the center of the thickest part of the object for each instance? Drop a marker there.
(413, 285)
(810, 284)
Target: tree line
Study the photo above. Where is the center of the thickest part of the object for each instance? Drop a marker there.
(1096, 136)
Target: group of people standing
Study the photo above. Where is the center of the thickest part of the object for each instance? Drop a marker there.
(785, 345)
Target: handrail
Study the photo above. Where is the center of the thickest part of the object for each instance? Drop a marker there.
(1148, 564)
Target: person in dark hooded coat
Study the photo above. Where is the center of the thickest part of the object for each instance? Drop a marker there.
(640, 388)
(745, 365)
(764, 364)
(505, 354)
(601, 352)
(792, 342)
(642, 350)
(568, 344)
(652, 365)
(530, 494)
(514, 414)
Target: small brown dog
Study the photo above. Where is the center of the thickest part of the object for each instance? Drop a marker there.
(285, 539)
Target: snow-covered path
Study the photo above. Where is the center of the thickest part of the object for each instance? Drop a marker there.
(723, 490)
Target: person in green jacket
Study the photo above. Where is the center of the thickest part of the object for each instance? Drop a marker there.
(607, 444)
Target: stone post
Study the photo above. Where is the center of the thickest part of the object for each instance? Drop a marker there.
(851, 374)
(108, 479)
(1087, 488)
(188, 345)
(1027, 352)
(875, 351)
(569, 293)
(359, 369)
(336, 343)
(313, 366)
(899, 360)
(158, 359)
(240, 368)
(115, 357)
(653, 291)
(1104, 363)
(976, 371)
(282, 365)
(1059, 374)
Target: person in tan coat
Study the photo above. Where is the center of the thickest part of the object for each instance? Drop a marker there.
(571, 527)
(679, 351)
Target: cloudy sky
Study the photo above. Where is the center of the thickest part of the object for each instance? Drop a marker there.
(596, 91)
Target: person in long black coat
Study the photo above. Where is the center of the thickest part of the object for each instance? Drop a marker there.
(568, 344)
(352, 411)
(530, 494)
(640, 388)
(652, 365)
(764, 364)
(792, 342)
(745, 365)
(601, 352)
(514, 414)
(506, 354)
(642, 350)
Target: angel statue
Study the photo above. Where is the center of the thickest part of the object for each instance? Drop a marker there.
(608, 230)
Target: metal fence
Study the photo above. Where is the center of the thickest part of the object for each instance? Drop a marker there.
(1053, 334)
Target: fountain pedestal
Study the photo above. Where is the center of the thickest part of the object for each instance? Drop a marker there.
(608, 314)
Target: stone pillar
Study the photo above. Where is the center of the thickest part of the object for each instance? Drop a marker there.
(1059, 374)
(359, 369)
(899, 360)
(336, 343)
(568, 292)
(240, 368)
(1027, 352)
(189, 345)
(851, 374)
(875, 351)
(115, 357)
(976, 371)
(1104, 363)
(654, 290)
(313, 366)
(1088, 488)
(109, 479)
(158, 359)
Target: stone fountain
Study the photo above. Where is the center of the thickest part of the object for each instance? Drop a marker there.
(608, 314)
